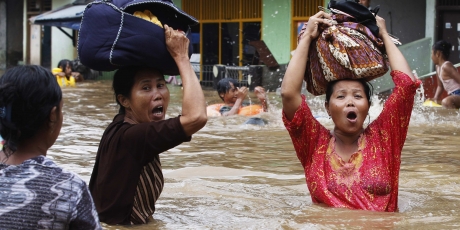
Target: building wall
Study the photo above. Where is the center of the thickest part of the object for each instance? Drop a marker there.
(430, 28)
(430, 18)
(276, 28)
(61, 45)
(404, 19)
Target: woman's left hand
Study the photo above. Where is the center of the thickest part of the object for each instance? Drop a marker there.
(315, 22)
(176, 42)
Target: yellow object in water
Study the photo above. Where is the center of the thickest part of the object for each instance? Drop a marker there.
(147, 15)
(63, 80)
(430, 103)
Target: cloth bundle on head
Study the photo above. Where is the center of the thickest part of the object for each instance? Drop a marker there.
(117, 33)
(349, 49)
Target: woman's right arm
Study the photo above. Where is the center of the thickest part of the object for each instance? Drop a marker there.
(193, 103)
(292, 82)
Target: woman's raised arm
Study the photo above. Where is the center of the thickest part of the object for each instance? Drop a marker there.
(292, 82)
(193, 103)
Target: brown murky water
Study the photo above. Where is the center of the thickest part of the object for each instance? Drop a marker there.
(234, 176)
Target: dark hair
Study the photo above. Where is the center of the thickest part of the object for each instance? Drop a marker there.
(368, 88)
(123, 82)
(223, 86)
(63, 63)
(27, 95)
(444, 47)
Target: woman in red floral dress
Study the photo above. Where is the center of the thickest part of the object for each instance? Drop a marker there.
(350, 166)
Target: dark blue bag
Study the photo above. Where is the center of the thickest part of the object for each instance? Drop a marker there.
(110, 37)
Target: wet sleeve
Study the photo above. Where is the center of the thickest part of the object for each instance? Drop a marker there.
(151, 138)
(305, 132)
(393, 121)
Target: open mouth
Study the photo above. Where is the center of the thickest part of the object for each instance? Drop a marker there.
(158, 111)
(351, 116)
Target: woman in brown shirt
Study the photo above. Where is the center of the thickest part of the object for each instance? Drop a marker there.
(127, 178)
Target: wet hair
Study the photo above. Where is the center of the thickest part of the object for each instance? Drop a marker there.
(223, 86)
(27, 95)
(443, 46)
(63, 63)
(123, 82)
(368, 88)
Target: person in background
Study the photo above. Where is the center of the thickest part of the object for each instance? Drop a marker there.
(127, 178)
(35, 193)
(350, 166)
(447, 75)
(233, 96)
(65, 76)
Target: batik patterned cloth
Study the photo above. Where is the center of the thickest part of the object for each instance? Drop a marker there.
(38, 194)
(347, 50)
(369, 179)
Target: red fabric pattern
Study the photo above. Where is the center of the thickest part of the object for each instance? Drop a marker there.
(369, 180)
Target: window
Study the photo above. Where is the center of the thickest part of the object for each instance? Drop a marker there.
(226, 27)
(225, 30)
(301, 12)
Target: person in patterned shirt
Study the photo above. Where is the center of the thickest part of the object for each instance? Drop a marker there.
(35, 193)
(350, 166)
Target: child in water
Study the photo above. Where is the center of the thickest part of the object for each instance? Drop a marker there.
(64, 75)
(448, 76)
(233, 96)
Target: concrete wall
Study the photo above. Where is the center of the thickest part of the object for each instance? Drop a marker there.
(61, 45)
(276, 28)
(404, 19)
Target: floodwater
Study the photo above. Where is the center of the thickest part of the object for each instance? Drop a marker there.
(234, 176)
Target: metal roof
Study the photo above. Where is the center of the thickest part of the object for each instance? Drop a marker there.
(68, 16)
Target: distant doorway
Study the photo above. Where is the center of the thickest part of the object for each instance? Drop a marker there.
(449, 27)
